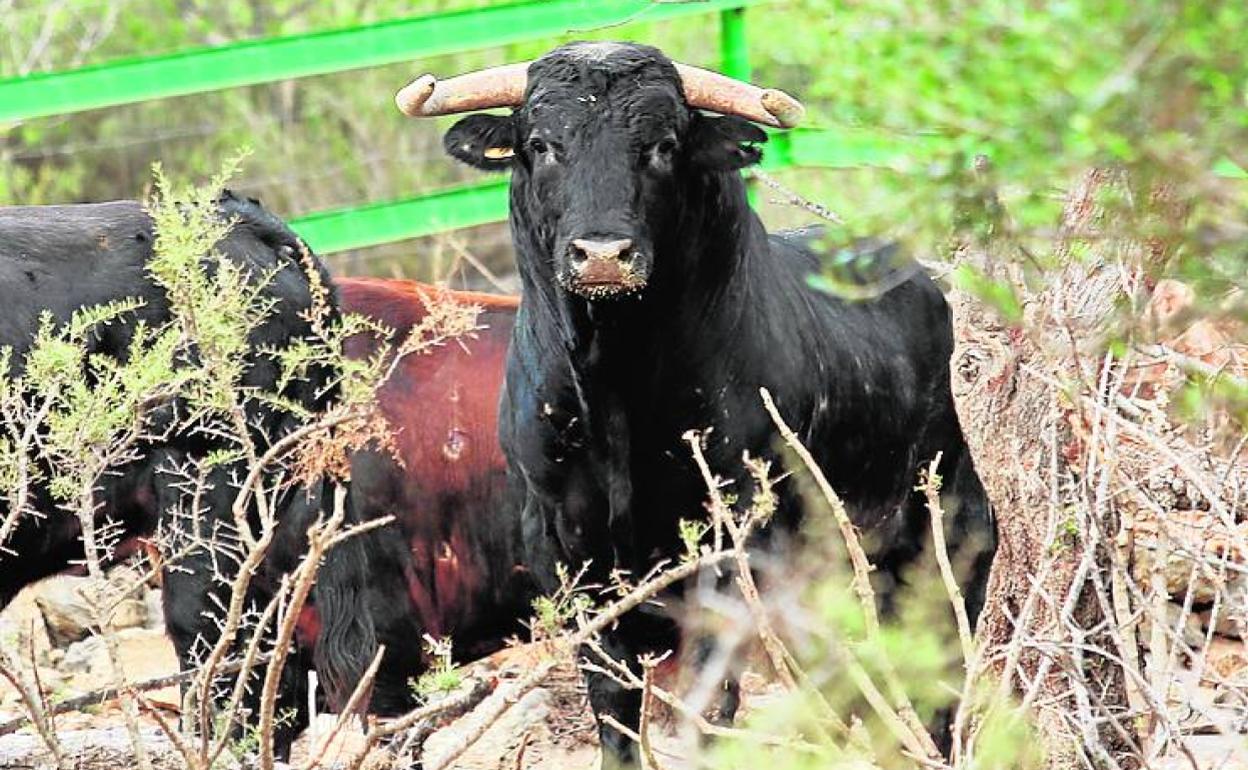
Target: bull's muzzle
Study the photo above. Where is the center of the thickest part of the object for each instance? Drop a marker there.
(602, 269)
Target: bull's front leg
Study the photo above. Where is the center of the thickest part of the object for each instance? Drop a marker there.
(643, 631)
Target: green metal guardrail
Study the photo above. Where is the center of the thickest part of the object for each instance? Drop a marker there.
(359, 227)
(263, 61)
(280, 58)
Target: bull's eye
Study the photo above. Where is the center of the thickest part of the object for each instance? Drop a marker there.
(538, 146)
(665, 147)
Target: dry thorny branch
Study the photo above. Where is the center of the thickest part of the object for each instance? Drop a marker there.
(1170, 585)
(1138, 604)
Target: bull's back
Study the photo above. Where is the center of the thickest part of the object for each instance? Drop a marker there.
(55, 260)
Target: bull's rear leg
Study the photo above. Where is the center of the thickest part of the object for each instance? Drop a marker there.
(705, 658)
(727, 698)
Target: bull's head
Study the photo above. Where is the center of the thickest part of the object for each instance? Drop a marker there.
(600, 137)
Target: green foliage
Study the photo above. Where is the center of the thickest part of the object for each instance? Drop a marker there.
(551, 614)
(216, 301)
(1004, 105)
(998, 295)
(917, 646)
(691, 534)
(86, 404)
(442, 675)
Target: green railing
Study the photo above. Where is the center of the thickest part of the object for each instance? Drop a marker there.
(279, 58)
(268, 60)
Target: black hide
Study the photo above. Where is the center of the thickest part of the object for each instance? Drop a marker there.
(602, 383)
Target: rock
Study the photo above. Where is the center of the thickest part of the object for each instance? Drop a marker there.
(87, 749)
(1231, 622)
(22, 626)
(131, 613)
(65, 612)
(1183, 536)
(85, 656)
(68, 616)
(153, 600)
(1193, 631)
(1225, 752)
(1226, 663)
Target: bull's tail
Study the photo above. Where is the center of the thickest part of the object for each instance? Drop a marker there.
(346, 640)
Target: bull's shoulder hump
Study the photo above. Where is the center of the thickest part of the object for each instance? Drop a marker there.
(75, 244)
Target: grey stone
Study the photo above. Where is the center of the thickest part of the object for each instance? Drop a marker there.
(68, 616)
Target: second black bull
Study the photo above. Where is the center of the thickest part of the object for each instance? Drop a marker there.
(55, 260)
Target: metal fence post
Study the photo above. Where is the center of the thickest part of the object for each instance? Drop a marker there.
(734, 50)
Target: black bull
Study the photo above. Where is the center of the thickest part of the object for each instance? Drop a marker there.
(655, 302)
(56, 259)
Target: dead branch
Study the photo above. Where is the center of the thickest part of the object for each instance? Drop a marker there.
(319, 535)
(930, 484)
(105, 694)
(914, 736)
(793, 199)
(723, 519)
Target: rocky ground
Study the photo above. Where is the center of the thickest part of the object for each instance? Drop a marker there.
(549, 729)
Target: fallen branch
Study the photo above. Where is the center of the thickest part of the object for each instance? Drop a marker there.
(415, 740)
(104, 695)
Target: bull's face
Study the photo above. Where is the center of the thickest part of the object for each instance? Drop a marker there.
(602, 151)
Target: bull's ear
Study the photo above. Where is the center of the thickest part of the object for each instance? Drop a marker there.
(485, 141)
(725, 143)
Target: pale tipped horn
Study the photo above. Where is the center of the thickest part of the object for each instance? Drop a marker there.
(427, 97)
(504, 86)
(714, 92)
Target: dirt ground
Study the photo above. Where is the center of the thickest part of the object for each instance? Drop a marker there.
(550, 728)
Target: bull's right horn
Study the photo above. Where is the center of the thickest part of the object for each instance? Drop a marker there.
(427, 97)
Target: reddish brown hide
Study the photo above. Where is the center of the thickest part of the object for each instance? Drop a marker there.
(450, 564)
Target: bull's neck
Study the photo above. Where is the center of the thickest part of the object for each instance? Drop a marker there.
(697, 284)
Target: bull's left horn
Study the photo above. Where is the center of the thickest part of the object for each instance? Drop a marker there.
(712, 91)
(427, 97)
